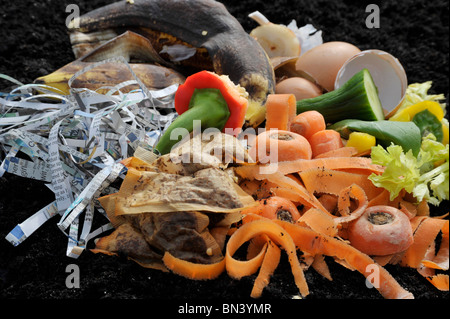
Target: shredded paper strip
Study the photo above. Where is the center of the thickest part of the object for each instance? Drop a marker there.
(74, 143)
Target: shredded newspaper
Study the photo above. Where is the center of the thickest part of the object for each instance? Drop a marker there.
(74, 143)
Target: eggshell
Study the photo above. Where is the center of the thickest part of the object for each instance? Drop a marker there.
(300, 87)
(387, 73)
(323, 62)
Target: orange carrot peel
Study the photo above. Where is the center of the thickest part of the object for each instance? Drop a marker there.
(292, 237)
(353, 164)
(192, 270)
(237, 268)
(316, 243)
(421, 254)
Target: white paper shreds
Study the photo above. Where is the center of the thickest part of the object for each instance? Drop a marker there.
(75, 143)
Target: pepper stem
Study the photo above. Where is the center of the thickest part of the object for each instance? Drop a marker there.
(207, 106)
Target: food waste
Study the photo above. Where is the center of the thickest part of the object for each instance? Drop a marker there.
(317, 150)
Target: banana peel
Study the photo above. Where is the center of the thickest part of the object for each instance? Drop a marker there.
(103, 77)
(221, 44)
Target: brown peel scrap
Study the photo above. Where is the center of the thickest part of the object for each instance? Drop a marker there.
(126, 240)
(187, 216)
(173, 208)
(206, 190)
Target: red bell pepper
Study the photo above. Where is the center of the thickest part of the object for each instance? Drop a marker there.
(213, 99)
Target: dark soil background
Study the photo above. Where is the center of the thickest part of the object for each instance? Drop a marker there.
(34, 42)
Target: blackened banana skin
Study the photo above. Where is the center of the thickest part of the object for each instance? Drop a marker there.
(202, 24)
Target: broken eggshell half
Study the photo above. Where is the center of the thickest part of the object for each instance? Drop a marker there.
(322, 63)
(387, 73)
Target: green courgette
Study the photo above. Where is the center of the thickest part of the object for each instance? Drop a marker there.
(356, 99)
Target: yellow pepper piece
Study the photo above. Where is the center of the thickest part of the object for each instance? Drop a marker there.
(445, 134)
(361, 141)
(408, 113)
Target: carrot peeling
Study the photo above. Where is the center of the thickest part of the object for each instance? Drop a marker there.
(305, 197)
(328, 181)
(358, 164)
(319, 221)
(192, 270)
(329, 202)
(321, 267)
(356, 192)
(437, 261)
(424, 236)
(268, 266)
(312, 242)
(283, 181)
(346, 151)
(440, 281)
(275, 233)
(440, 260)
(288, 193)
(382, 198)
(422, 256)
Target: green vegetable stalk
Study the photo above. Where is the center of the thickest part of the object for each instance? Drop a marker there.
(207, 106)
(405, 134)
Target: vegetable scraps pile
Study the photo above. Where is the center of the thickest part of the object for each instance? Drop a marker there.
(332, 170)
(321, 194)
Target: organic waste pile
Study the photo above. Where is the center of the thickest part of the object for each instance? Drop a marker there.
(264, 161)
